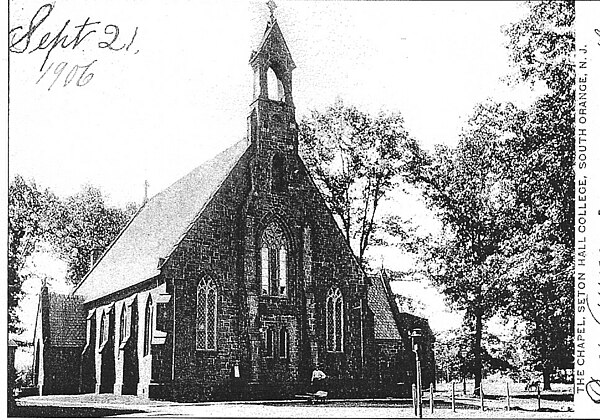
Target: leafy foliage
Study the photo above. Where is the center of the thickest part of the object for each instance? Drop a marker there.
(464, 188)
(541, 45)
(83, 225)
(355, 159)
(540, 253)
(74, 227)
(28, 209)
(505, 197)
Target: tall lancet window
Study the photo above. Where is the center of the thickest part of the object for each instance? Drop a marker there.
(274, 262)
(278, 183)
(104, 328)
(148, 315)
(335, 320)
(206, 332)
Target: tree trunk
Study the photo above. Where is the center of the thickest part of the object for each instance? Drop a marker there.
(546, 373)
(477, 351)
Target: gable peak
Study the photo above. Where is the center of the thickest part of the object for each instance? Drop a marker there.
(273, 49)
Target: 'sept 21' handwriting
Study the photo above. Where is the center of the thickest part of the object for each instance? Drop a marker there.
(25, 39)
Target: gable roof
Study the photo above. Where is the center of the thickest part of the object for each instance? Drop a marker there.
(273, 31)
(157, 228)
(67, 320)
(61, 318)
(386, 327)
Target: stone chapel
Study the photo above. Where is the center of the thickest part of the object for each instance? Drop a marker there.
(235, 281)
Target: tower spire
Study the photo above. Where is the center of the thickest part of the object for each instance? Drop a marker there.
(272, 113)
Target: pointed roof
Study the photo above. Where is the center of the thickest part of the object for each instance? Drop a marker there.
(273, 35)
(62, 319)
(157, 228)
(386, 327)
(67, 320)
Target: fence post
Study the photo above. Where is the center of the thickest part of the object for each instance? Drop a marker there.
(414, 398)
(539, 396)
(453, 399)
(481, 395)
(431, 397)
(507, 397)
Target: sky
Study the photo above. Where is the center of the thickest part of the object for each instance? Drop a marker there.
(179, 91)
(182, 91)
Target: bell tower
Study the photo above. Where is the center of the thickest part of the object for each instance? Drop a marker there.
(272, 122)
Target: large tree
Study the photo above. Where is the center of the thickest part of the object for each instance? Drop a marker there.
(84, 224)
(463, 187)
(541, 172)
(75, 227)
(355, 159)
(505, 197)
(28, 208)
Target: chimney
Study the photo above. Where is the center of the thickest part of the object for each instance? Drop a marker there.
(95, 256)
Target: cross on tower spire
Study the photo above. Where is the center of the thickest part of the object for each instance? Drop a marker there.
(272, 6)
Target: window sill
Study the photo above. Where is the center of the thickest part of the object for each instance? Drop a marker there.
(124, 343)
(206, 351)
(102, 346)
(159, 337)
(278, 297)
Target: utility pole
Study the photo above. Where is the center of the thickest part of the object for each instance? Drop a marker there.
(416, 336)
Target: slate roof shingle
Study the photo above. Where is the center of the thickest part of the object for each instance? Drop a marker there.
(385, 324)
(158, 227)
(67, 320)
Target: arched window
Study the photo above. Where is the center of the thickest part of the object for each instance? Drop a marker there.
(123, 324)
(282, 271)
(274, 86)
(283, 343)
(206, 332)
(274, 262)
(104, 328)
(148, 326)
(269, 348)
(265, 281)
(335, 320)
(278, 183)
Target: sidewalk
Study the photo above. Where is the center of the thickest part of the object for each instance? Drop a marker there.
(92, 405)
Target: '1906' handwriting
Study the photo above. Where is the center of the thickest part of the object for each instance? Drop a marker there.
(23, 40)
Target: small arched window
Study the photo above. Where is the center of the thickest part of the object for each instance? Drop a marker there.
(335, 320)
(104, 328)
(283, 343)
(274, 86)
(269, 348)
(206, 331)
(274, 262)
(148, 314)
(124, 324)
(278, 181)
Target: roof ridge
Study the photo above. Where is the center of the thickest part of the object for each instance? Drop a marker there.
(171, 209)
(217, 188)
(214, 158)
